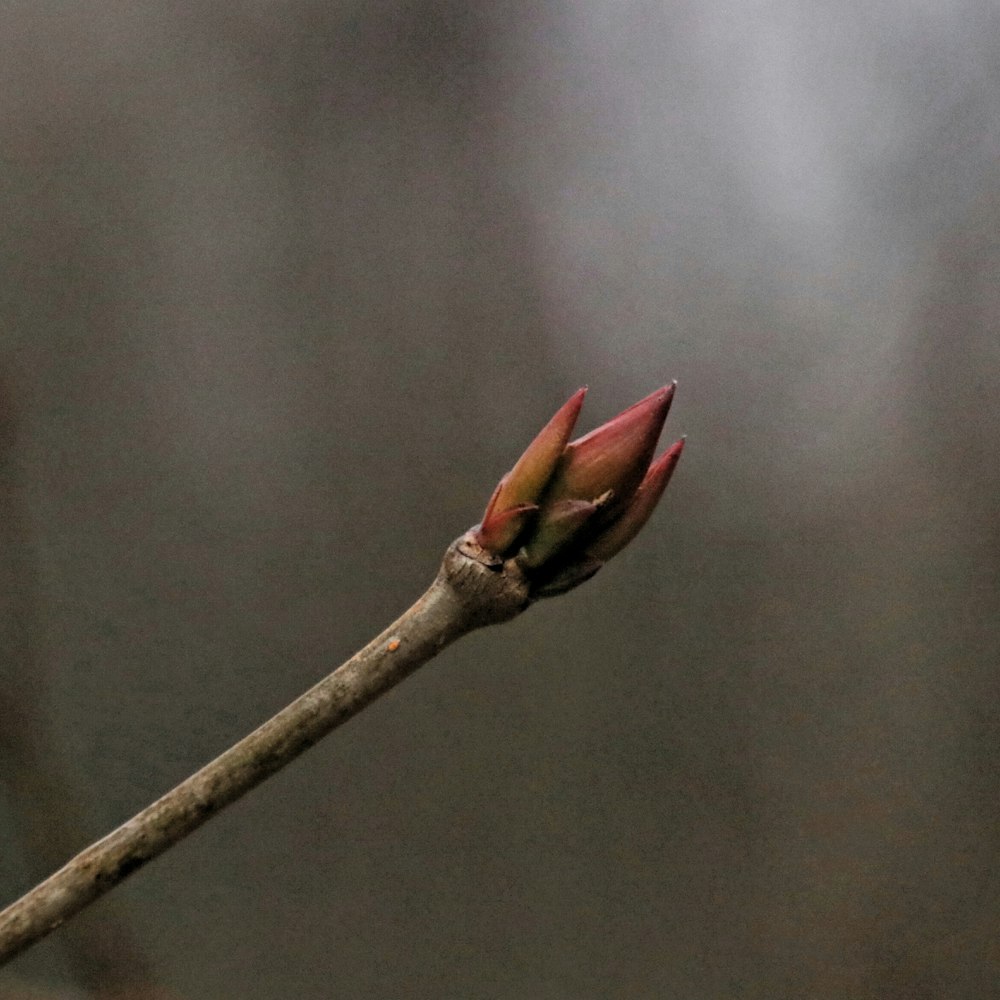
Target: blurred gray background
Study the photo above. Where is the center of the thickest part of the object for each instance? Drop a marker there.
(288, 285)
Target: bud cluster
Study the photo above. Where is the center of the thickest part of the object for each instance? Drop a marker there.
(568, 506)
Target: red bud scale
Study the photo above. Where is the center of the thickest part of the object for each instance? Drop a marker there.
(568, 506)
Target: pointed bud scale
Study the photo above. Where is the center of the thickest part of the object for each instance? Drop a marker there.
(616, 455)
(529, 477)
(526, 482)
(561, 522)
(499, 532)
(630, 522)
(493, 500)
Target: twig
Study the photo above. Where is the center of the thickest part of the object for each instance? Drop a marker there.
(563, 510)
(472, 589)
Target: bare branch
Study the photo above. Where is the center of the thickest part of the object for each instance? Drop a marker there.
(470, 590)
(554, 519)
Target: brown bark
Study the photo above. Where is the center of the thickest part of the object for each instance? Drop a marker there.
(471, 589)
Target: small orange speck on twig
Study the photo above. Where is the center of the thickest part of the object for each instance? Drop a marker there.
(393, 645)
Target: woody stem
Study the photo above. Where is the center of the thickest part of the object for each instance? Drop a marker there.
(471, 590)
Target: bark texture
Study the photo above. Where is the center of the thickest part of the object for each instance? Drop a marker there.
(472, 589)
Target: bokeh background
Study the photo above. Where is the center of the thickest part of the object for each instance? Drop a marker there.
(286, 286)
